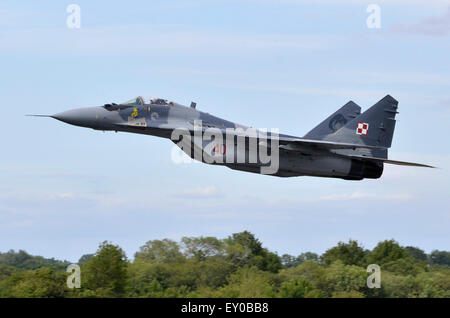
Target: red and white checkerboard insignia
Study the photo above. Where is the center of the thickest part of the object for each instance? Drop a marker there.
(362, 128)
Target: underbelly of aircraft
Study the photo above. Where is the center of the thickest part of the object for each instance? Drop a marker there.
(283, 163)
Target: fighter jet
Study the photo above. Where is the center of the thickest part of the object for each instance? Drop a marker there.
(348, 144)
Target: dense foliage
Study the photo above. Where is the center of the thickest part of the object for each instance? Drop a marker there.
(237, 266)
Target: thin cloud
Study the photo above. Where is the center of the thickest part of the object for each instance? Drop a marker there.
(362, 195)
(143, 39)
(202, 192)
(431, 26)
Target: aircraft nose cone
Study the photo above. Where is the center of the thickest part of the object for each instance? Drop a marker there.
(85, 117)
(73, 117)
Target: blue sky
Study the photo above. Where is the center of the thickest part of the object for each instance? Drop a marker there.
(268, 64)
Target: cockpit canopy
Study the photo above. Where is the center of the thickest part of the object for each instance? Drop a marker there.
(146, 100)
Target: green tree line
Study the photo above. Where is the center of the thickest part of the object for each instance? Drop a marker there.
(237, 266)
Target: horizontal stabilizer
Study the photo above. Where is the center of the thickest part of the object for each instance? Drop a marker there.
(393, 162)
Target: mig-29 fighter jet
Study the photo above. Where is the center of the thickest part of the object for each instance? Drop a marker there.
(348, 144)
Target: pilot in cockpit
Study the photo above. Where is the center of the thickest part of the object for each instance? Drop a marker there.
(158, 101)
(143, 100)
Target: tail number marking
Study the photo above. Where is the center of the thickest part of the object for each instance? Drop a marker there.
(220, 149)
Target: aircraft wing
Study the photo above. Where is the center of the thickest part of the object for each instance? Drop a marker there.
(295, 143)
(299, 144)
(285, 141)
(323, 144)
(292, 142)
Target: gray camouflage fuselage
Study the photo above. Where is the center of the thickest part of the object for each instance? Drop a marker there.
(323, 152)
